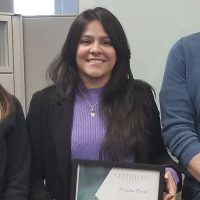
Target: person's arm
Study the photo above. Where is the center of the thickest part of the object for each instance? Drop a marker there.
(194, 166)
(178, 112)
(16, 181)
(35, 127)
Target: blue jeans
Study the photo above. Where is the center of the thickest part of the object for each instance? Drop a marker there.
(189, 193)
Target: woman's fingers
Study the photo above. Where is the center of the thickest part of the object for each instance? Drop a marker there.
(170, 187)
(169, 197)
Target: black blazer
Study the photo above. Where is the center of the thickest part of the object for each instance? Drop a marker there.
(49, 123)
(14, 156)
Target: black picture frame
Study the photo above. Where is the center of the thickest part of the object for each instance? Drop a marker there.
(90, 179)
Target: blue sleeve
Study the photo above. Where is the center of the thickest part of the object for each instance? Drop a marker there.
(177, 110)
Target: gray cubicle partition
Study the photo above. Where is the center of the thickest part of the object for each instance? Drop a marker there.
(43, 40)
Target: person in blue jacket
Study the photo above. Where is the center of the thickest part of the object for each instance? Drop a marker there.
(14, 149)
(180, 110)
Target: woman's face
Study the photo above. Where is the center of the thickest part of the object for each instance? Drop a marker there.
(95, 56)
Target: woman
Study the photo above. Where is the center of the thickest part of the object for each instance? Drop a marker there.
(14, 149)
(95, 109)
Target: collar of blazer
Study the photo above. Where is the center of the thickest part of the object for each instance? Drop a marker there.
(60, 118)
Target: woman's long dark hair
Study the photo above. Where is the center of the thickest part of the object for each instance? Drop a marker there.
(5, 103)
(125, 101)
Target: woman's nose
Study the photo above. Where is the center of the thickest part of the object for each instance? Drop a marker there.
(95, 49)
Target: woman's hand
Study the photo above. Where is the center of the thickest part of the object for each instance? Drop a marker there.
(170, 193)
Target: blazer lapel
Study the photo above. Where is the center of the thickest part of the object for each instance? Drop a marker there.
(60, 124)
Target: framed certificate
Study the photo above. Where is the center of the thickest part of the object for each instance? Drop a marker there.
(101, 180)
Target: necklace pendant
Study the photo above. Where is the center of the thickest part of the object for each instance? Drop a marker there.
(92, 113)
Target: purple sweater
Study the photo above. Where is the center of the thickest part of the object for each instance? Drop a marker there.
(87, 132)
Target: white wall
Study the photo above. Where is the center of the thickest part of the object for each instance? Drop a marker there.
(151, 27)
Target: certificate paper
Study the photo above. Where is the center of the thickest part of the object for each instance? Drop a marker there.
(129, 184)
(108, 181)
